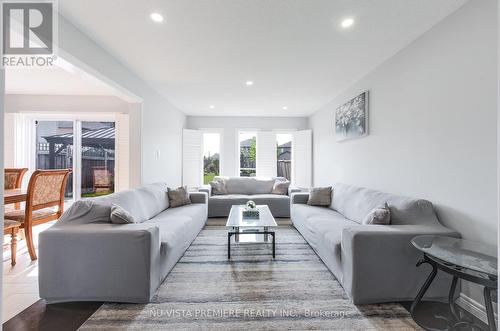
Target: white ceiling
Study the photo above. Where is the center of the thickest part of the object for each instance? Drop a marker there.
(60, 79)
(294, 50)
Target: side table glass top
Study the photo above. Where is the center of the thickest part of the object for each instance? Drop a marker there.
(462, 253)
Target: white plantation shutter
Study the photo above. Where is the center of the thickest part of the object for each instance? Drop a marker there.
(302, 159)
(192, 162)
(266, 154)
(122, 165)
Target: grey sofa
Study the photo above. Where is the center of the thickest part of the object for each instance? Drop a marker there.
(242, 189)
(84, 257)
(374, 263)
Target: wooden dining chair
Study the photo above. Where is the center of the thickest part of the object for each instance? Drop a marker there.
(13, 178)
(44, 203)
(12, 227)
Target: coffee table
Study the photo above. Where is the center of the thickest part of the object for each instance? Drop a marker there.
(240, 225)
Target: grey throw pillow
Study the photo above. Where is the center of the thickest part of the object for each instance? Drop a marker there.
(281, 186)
(178, 197)
(320, 196)
(380, 215)
(218, 186)
(121, 216)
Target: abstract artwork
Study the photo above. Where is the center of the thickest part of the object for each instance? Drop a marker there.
(351, 119)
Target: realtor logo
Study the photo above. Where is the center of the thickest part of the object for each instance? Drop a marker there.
(28, 31)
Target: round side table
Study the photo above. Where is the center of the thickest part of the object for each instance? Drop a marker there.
(463, 259)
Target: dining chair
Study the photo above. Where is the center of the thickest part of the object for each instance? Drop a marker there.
(12, 227)
(102, 178)
(13, 178)
(44, 203)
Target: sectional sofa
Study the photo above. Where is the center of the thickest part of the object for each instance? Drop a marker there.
(242, 189)
(84, 257)
(374, 263)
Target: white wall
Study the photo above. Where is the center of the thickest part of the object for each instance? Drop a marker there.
(433, 125)
(161, 122)
(230, 126)
(2, 92)
(76, 104)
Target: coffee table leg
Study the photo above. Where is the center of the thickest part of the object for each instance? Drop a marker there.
(228, 246)
(266, 237)
(274, 245)
(236, 236)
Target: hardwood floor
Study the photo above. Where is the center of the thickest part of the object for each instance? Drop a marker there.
(63, 316)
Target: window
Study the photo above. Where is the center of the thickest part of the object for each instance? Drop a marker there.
(211, 156)
(284, 155)
(248, 153)
(86, 147)
(97, 159)
(54, 148)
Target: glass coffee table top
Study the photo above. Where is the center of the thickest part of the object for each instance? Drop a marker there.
(462, 253)
(236, 218)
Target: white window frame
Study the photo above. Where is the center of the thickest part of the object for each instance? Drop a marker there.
(292, 133)
(221, 147)
(238, 131)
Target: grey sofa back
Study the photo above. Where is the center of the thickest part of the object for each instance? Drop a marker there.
(249, 185)
(356, 202)
(143, 203)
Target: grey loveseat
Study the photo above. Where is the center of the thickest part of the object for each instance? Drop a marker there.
(84, 257)
(242, 189)
(374, 263)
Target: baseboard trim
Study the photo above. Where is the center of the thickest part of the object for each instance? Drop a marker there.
(473, 307)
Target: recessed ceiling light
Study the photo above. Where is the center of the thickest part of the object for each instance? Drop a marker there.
(285, 107)
(156, 17)
(211, 107)
(347, 22)
(249, 83)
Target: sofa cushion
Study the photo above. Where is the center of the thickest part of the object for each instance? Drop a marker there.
(357, 202)
(86, 211)
(281, 186)
(178, 197)
(218, 186)
(178, 228)
(249, 185)
(322, 228)
(320, 196)
(379, 215)
(142, 203)
(120, 216)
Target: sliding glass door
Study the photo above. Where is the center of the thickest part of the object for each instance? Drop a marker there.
(54, 148)
(86, 147)
(97, 158)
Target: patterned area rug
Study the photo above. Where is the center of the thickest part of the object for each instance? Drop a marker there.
(205, 291)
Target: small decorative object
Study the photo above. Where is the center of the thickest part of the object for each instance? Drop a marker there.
(351, 119)
(251, 210)
(251, 204)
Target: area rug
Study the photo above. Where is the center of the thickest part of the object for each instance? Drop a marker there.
(205, 291)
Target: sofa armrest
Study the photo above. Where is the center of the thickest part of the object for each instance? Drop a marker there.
(299, 198)
(206, 189)
(292, 190)
(99, 262)
(380, 259)
(198, 197)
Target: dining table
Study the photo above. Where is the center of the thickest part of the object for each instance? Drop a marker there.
(14, 196)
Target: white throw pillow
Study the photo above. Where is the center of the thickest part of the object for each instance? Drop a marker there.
(380, 215)
(121, 216)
